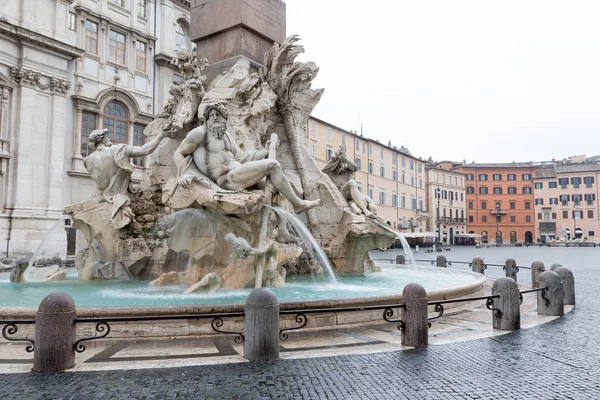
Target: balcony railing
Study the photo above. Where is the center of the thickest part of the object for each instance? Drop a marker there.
(501, 211)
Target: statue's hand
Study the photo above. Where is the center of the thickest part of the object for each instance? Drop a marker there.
(184, 181)
(277, 143)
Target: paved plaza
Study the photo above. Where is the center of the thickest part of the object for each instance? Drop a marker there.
(466, 359)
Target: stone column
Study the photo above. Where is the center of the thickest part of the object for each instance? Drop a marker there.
(551, 300)
(508, 303)
(400, 259)
(414, 316)
(537, 267)
(440, 261)
(55, 334)
(554, 266)
(261, 326)
(510, 268)
(478, 265)
(568, 284)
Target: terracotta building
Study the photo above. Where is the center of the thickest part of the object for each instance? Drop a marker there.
(500, 201)
(391, 176)
(566, 200)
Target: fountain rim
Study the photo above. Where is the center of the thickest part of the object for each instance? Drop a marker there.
(447, 293)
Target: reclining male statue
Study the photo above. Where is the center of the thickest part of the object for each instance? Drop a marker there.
(210, 151)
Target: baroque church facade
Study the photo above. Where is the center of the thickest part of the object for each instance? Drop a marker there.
(68, 67)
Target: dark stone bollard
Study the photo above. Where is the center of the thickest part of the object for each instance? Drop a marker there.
(550, 301)
(415, 332)
(508, 303)
(568, 285)
(510, 268)
(537, 267)
(478, 265)
(55, 334)
(440, 261)
(261, 326)
(554, 266)
(400, 259)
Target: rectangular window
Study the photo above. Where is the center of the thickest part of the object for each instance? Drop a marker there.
(329, 153)
(394, 199)
(512, 205)
(358, 163)
(552, 185)
(484, 205)
(576, 182)
(403, 162)
(470, 190)
(590, 214)
(577, 199)
(470, 218)
(357, 143)
(483, 177)
(565, 214)
(577, 214)
(364, 147)
(538, 185)
(589, 198)
(419, 167)
(588, 181)
(138, 140)
(141, 8)
(72, 21)
(314, 149)
(483, 190)
(513, 218)
(462, 197)
(413, 203)
(553, 215)
(91, 37)
(370, 191)
(395, 158)
(344, 139)
(527, 205)
(412, 165)
(116, 47)
(470, 177)
(470, 205)
(526, 177)
(563, 182)
(382, 154)
(381, 196)
(421, 205)
(528, 218)
(382, 171)
(117, 2)
(370, 166)
(591, 234)
(403, 202)
(412, 180)
(553, 201)
(314, 128)
(483, 218)
(88, 124)
(539, 202)
(497, 177)
(395, 174)
(526, 189)
(497, 190)
(140, 56)
(512, 177)
(370, 148)
(329, 134)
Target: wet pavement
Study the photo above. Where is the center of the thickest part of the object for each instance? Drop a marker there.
(466, 358)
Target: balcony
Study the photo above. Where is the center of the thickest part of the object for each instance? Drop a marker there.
(577, 202)
(548, 227)
(421, 214)
(590, 202)
(499, 211)
(450, 221)
(564, 203)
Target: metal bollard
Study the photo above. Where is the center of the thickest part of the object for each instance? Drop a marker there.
(537, 267)
(508, 316)
(568, 284)
(400, 259)
(511, 269)
(55, 334)
(414, 316)
(261, 326)
(551, 300)
(440, 261)
(554, 266)
(478, 265)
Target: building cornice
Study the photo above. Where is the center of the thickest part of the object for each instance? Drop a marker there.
(184, 3)
(104, 19)
(31, 37)
(164, 60)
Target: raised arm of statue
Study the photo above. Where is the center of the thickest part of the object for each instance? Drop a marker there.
(148, 148)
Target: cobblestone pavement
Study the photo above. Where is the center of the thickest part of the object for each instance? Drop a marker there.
(557, 360)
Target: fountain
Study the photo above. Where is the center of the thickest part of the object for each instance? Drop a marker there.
(231, 200)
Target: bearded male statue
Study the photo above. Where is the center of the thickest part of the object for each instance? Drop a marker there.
(209, 150)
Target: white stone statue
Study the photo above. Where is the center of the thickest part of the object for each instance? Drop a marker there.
(340, 170)
(110, 168)
(210, 151)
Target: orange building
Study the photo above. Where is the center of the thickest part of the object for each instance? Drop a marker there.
(500, 201)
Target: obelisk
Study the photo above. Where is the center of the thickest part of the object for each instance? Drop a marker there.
(226, 30)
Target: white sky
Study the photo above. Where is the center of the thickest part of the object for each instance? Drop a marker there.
(481, 80)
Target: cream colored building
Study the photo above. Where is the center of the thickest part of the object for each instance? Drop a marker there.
(566, 199)
(68, 67)
(391, 176)
(446, 200)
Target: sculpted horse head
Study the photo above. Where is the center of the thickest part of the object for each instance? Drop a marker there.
(187, 96)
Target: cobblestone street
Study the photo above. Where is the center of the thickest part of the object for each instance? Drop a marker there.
(557, 360)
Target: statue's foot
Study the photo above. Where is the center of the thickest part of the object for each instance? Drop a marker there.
(369, 214)
(306, 205)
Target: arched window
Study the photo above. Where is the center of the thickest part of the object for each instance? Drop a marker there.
(115, 119)
(181, 34)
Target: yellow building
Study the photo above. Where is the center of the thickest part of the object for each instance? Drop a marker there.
(391, 176)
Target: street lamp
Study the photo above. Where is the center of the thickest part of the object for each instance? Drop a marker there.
(439, 237)
(497, 221)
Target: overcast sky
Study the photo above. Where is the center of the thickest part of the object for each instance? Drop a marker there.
(478, 80)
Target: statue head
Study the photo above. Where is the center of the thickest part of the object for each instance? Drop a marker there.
(99, 136)
(215, 119)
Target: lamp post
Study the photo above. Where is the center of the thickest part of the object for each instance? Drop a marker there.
(439, 237)
(497, 221)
